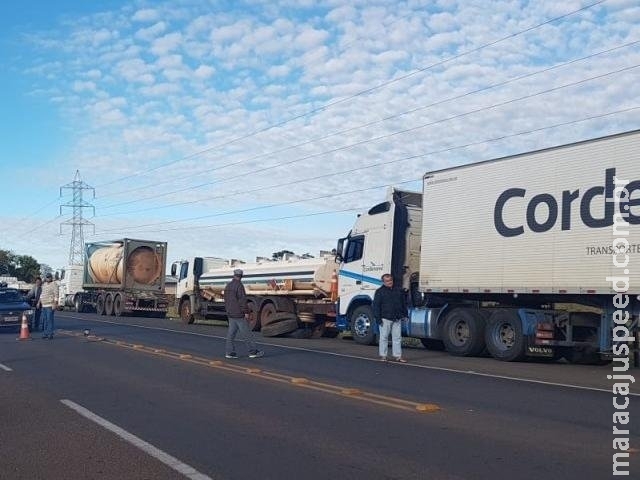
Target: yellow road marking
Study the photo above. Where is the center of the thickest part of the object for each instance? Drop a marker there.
(342, 391)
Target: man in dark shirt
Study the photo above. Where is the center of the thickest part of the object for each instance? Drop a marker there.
(235, 304)
(34, 297)
(389, 309)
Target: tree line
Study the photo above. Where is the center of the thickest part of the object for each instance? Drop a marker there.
(23, 267)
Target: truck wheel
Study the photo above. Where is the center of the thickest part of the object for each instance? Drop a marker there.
(280, 328)
(254, 320)
(504, 336)
(77, 304)
(362, 325)
(117, 305)
(100, 305)
(463, 332)
(185, 312)
(267, 312)
(108, 305)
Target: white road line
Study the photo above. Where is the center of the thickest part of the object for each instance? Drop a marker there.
(158, 454)
(335, 354)
(466, 372)
(5, 368)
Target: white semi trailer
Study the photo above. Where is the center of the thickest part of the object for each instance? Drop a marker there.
(535, 254)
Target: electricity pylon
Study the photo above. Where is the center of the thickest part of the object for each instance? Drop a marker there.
(77, 222)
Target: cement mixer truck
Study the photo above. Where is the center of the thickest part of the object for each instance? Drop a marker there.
(293, 295)
(124, 276)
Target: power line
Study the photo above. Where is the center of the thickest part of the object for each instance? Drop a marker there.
(369, 124)
(374, 139)
(445, 150)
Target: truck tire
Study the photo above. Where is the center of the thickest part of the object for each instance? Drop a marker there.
(186, 315)
(254, 319)
(463, 332)
(108, 305)
(504, 336)
(100, 305)
(78, 305)
(280, 317)
(280, 328)
(117, 305)
(362, 325)
(267, 312)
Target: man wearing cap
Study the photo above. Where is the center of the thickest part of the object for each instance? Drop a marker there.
(48, 302)
(235, 304)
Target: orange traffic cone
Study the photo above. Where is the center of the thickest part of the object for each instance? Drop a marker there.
(24, 329)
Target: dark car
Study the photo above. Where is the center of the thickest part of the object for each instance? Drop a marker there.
(12, 307)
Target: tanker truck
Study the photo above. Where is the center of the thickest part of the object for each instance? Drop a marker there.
(293, 295)
(531, 255)
(124, 276)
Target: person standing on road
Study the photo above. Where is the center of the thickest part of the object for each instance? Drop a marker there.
(34, 297)
(48, 302)
(389, 309)
(235, 304)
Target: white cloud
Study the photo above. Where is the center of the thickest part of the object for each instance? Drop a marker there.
(310, 38)
(159, 89)
(166, 44)
(442, 22)
(279, 71)
(135, 70)
(204, 71)
(150, 33)
(103, 35)
(79, 86)
(170, 61)
(342, 14)
(146, 15)
(228, 33)
(94, 73)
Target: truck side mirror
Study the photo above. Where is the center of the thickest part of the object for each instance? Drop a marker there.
(173, 269)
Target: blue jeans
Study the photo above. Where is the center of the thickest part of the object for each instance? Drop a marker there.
(396, 338)
(239, 325)
(37, 313)
(47, 319)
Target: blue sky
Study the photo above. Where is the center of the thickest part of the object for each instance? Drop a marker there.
(237, 129)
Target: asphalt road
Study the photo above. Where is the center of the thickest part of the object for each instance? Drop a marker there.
(312, 409)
